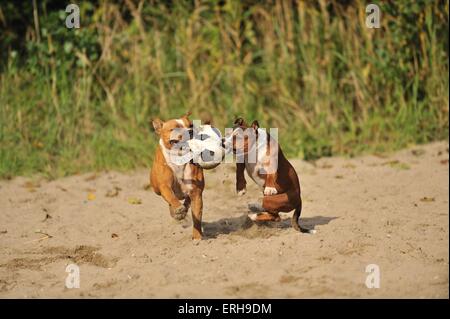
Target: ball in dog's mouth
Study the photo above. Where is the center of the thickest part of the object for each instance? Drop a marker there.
(209, 159)
(208, 156)
(207, 148)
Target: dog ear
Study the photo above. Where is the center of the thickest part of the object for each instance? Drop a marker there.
(186, 119)
(157, 125)
(187, 114)
(239, 122)
(255, 125)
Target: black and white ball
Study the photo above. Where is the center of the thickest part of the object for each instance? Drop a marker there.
(206, 146)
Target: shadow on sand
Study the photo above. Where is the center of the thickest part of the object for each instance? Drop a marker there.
(242, 224)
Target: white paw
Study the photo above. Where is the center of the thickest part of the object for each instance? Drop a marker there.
(242, 192)
(270, 191)
(255, 207)
(253, 217)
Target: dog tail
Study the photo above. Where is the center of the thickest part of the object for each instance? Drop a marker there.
(295, 218)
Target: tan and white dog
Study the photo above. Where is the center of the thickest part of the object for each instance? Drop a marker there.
(260, 155)
(177, 181)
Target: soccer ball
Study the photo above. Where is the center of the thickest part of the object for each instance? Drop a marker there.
(206, 147)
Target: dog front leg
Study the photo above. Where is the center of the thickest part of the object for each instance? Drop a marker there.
(197, 209)
(177, 210)
(269, 185)
(240, 179)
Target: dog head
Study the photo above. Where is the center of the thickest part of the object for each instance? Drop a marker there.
(242, 137)
(173, 131)
(183, 141)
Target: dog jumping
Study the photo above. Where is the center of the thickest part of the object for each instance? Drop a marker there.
(260, 155)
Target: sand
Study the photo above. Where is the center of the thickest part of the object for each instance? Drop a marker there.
(389, 210)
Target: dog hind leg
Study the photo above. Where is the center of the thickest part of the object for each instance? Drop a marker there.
(286, 202)
(197, 209)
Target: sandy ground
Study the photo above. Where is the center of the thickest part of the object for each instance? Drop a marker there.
(389, 210)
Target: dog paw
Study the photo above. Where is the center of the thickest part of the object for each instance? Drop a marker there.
(253, 216)
(270, 191)
(241, 192)
(197, 237)
(255, 207)
(180, 212)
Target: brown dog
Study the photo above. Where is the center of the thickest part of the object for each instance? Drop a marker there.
(260, 155)
(175, 181)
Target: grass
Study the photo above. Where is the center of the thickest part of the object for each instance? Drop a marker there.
(81, 100)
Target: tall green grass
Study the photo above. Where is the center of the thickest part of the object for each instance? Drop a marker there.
(79, 100)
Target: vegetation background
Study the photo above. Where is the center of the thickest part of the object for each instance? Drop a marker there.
(73, 100)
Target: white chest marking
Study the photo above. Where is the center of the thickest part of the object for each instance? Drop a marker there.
(182, 173)
(252, 171)
(262, 159)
